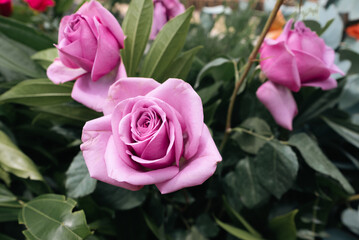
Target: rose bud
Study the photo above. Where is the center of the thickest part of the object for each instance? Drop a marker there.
(40, 5)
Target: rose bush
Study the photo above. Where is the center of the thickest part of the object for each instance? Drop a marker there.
(297, 58)
(89, 46)
(40, 5)
(163, 11)
(151, 134)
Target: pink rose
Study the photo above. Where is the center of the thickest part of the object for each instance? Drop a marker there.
(295, 59)
(151, 134)
(5, 8)
(40, 5)
(89, 49)
(163, 11)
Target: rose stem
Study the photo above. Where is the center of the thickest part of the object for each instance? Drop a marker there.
(250, 61)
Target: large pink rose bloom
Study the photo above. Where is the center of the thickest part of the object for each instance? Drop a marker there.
(89, 49)
(163, 11)
(295, 59)
(151, 134)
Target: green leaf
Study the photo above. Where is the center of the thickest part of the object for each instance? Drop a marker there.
(220, 68)
(347, 130)
(284, 227)
(210, 112)
(180, 66)
(37, 92)
(118, 198)
(5, 177)
(276, 167)
(167, 45)
(326, 26)
(50, 216)
(17, 59)
(209, 92)
(4, 237)
(251, 193)
(238, 233)
(9, 207)
(24, 34)
(316, 159)
(350, 218)
(137, 28)
(251, 143)
(16, 162)
(8, 214)
(194, 234)
(45, 57)
(206, 226)
(78, 181)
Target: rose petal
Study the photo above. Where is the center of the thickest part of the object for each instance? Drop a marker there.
(329, 58)
(278, 63)
(128, 88)
(73, 52)
(92, 94)
(63, 24)
(328, 84)
(95, 136)
(120, 171)
(58, 73)
(280, 103)
(197, 169)
(159, 19)
(311, 69)
(189, 107)
(286, 30)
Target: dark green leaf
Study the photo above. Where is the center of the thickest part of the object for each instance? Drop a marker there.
(16, 162)
(8, 214)
(284, 227)
(137, 28)
(238, 233)
(347, 130)
(4, 237)
(209, 92)
(37, 92)
(276, 167)
(316, 159)
(180, 66)
(78, 181)
(17, 59)
(50, 216)
(24, 34)
(210, 112)
(167, 45)
(206, 226)
(221, 68)
(118, 198)
(5, 176)
(194, 234)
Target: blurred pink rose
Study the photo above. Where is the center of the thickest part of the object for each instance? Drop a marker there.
(5, 8)
(297, 58)
(163, 11)
(89, 49)
(151, 134)
(40, 5)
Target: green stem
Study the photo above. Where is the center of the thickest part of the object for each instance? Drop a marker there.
(248, 66)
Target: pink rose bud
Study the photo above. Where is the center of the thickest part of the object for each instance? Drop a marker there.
(5, 8)
(40, 5)
(89, 50)
(151, 134)
(163, 11)
(295, 59)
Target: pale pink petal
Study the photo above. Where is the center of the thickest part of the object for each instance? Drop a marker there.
(95, 136)
(92, 94)
(128, 88)
(286, 31)
(278, 63)
(196, 170)
(159, 19)
(181, 96)
(59, 73)
(329, 58)
(73, 52)
(63, 24)
(328, 84)
(107, 55)
(280, 103)
(120, 171)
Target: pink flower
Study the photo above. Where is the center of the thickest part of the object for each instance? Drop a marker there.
(5, 8)
(151, 134)
(89, 49)
(40, 5)
(163, 11)
(295, 59)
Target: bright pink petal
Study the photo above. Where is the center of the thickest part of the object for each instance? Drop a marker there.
(128, 88)
(95, 136)
(181, 96)
(107, 55)
(59, 73)
(278, 63)
(159, 19)
(63, 25)
(280, 103)
(120, 171)
(311, 69)
(92, 94)
(73, 52)
(196, 170)
(286, 30)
